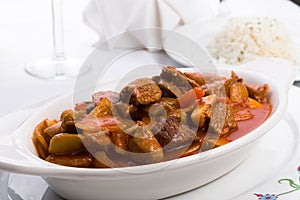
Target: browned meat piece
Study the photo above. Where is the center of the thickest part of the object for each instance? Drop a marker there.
(113, 97)
(172, 134)
(235, 78)
(230, 81)
(123, 110)
(68, 124)
(233, 87)
(127, 114)
(222, 118)
(165, 106)
(142, 91)
(169, 89)
(84, 108)
(217, 88)
(258, 92)
(202, 79)
(171, 74)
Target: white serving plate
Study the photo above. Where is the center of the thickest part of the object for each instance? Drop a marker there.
(153, 181)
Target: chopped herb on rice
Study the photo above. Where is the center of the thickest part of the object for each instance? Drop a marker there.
(244, 39)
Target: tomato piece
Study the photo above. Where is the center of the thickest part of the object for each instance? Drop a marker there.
(189, 97)
(108, 122)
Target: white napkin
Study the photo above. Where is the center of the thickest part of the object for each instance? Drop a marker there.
(112, 17)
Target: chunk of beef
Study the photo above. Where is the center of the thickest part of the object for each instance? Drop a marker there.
(258, 92)
(166, 104)
(113, 97)
(203, 78)
(174, 83)
(222, 118)
(142, 91)
(85, 107)
(171, 74)
(169, 89)
(172, 134)
(124, 110)
(68, 124)
(217, 88)
(233, 87)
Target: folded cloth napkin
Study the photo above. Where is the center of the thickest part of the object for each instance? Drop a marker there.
(112, 17)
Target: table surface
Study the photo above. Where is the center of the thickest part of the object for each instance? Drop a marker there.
(26, 36)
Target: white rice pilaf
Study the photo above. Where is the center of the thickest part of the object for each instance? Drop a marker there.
(244, 39)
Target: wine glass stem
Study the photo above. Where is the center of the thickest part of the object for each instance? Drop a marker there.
(58, 36)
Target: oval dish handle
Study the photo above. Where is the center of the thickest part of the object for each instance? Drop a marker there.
(283, 71)
(12, 153)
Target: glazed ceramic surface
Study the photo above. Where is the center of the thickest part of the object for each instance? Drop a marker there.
(153, 181)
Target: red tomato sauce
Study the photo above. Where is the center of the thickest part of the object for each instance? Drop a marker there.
(244, 127)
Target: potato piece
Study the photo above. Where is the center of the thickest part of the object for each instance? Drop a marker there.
(120, 140)
(64, 143)
(42, 153)
(50, 122)
(210, 143)
(253, 103)
(103, 109)
(53, 130)
(83, 160)
(39, 132)
(238, 93)
(221, 141)
(40, 139)
(146, 141)
(200, 114)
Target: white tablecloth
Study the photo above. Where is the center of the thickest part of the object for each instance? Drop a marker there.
(25, 35)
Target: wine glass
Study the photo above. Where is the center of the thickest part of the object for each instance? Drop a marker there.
(58, 66)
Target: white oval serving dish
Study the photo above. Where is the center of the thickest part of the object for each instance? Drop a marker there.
(154, 181)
